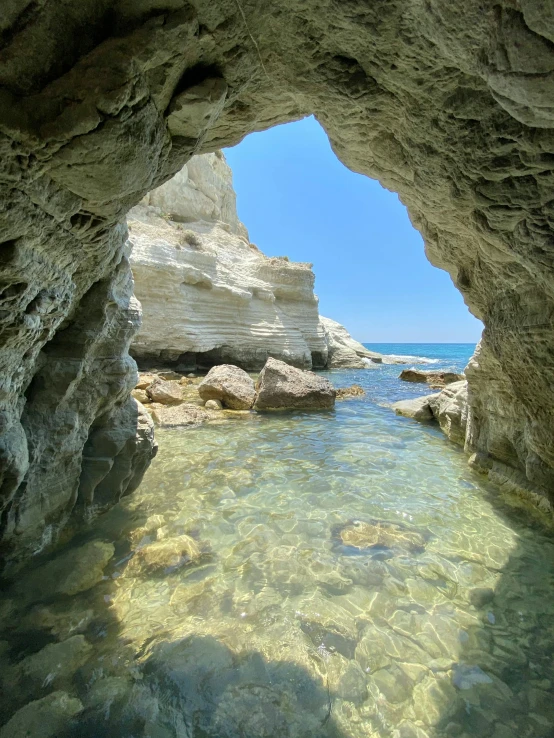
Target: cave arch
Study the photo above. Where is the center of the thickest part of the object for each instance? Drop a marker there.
(448, 105)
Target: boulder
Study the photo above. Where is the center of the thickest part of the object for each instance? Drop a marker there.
(435, 378)
(44, 718)
(140, 395)
(72, 571)
(166, 393)
(450, 409)
(281, 386)
(214, 405)
(418, 409)
(232, 386)
(354, 390)
(179, 415)
(54, 665)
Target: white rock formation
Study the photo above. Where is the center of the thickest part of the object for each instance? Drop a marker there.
(202, 190)
(346, 353)
(208, 295)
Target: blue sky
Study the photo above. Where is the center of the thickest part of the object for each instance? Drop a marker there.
(298, 200)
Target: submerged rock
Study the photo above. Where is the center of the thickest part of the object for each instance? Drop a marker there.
(72, 571)
(343, 393)
(53, 666)
(44, 718)
(106, 691)
(418, 408)
(281, 386)
(164, 555)
(435, 700)
(60, 619)
(229, 384)
(434, 378)
(380, 534)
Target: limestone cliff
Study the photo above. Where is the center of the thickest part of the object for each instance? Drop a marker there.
(448, 104)
(346, 353)
(209, 296)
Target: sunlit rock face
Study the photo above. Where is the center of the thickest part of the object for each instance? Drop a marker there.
(449, 104)
(209, 296)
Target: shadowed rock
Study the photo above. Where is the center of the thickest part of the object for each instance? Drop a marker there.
(46, 717)
(449, 105)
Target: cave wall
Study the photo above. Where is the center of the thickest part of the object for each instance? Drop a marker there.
(449, 104)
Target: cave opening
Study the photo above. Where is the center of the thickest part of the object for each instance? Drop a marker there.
(296, 204)
(298, 576)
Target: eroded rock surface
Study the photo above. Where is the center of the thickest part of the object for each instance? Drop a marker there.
(449, 408)
(346, 353)
(209, 295)
(434, 378)
(229, 384)
(449, 105)
(281, 387)
(419, 408)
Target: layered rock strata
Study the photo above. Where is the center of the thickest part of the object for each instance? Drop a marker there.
(343, 352)
(210, 297)
(448, 104)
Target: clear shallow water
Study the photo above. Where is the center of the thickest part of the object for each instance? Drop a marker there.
(273, 626)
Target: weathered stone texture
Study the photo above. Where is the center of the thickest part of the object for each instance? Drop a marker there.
(284, 387)
(449, 104)
(229, 384)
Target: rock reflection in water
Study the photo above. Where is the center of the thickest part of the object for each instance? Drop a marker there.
(291, 577)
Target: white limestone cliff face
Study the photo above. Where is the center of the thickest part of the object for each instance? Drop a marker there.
(201, 191)
(344, 352)
(209, 296)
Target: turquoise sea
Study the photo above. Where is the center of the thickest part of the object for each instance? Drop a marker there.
(385, 386)
(340, 574)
